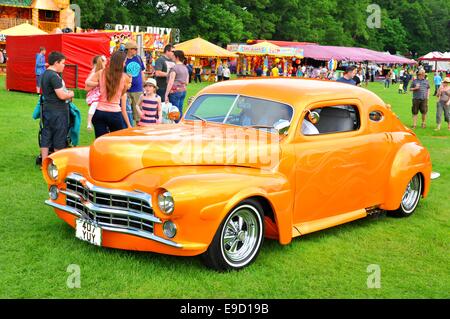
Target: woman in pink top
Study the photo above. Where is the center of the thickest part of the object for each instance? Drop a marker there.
(111, 113)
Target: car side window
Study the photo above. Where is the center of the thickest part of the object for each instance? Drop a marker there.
(333, 119)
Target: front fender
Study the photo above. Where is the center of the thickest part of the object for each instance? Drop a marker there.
(411, 158)
(203, 200)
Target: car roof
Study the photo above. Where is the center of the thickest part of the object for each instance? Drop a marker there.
(293, 91)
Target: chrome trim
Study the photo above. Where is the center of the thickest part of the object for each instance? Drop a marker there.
(99, 209)
(142, 234)
(67, 209)
(136, 194)
(137, 233)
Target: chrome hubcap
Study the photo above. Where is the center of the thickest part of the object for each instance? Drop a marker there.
(241, 234)
(412, 194)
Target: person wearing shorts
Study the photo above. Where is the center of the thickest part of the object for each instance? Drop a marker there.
(421, 91)
(55, 108)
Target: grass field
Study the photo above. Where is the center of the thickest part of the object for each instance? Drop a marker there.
(37, 247)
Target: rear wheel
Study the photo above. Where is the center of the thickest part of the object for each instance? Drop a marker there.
(410, 198)
(238, 240)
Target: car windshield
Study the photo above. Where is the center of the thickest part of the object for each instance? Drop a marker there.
(239, 110)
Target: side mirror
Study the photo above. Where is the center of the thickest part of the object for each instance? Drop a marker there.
(313, 117)
(282, 126)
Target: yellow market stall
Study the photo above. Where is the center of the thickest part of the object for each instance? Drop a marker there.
(205, 55)
(21, 29)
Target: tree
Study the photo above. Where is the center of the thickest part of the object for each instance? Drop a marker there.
(419, 26)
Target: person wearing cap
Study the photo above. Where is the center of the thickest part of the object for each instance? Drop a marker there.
(134, 66)
(150, 110)
(421, 92)
(443, 104)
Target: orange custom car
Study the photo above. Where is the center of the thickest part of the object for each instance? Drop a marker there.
(275, 158)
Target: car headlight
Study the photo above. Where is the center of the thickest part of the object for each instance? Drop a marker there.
(170, 229)
(166, 203)
(52, 171)
(53, 192)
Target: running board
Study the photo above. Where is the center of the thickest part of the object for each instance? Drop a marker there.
(315, 225)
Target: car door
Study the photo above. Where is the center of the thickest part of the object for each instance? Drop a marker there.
(336, 170)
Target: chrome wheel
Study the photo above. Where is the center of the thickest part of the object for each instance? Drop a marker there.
(412, 195)
(241, 235)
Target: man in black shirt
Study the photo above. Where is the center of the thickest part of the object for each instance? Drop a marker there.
(162, 67)
(55, 108)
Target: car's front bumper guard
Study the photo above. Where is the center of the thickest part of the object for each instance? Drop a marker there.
(133, 232)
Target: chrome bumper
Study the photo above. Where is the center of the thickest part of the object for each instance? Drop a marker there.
(121, 215)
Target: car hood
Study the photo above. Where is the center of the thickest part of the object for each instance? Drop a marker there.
(114, 156)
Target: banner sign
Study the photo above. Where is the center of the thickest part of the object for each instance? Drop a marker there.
(162, 32)
(250, 49)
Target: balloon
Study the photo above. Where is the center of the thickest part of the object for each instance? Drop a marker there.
(297, 61)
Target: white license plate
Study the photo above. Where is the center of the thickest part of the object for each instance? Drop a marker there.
(89, 232)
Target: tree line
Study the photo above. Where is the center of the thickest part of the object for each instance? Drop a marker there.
(405, 26)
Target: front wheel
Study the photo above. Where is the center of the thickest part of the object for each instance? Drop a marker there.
(410, 198)
(239, 238)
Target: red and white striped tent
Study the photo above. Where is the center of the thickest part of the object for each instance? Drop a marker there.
(441, 60)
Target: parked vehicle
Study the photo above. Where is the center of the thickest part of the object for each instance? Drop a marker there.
(274, 158)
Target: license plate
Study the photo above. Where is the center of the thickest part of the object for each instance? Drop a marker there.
(87, 231)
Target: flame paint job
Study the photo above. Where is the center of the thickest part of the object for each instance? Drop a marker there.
(319, 181)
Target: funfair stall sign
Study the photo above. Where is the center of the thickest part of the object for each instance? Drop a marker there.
(174, 33)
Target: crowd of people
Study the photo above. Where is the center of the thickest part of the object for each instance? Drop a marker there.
(119, 95)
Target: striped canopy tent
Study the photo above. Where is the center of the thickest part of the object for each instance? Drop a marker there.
(439, 61)
(433, 56)
(199, 47)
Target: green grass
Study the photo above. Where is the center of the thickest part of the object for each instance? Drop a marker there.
(37, 247)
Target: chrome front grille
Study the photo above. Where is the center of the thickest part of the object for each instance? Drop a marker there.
(104, 197)
(110, 207)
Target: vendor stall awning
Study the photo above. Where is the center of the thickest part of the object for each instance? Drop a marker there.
(23, 29)
(435, 56)
(201, 48)
(266, 48)
(326, 53)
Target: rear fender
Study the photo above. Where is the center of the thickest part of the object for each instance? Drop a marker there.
(411, 158)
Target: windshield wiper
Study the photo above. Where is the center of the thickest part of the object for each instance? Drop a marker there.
(261, 126)
(199, 118)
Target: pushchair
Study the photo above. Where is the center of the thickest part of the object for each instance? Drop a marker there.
(38, 114)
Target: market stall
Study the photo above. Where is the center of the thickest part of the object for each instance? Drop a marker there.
(338, 53)
(262, 57)
(205, 55)
(21, 29)
(79, 49)
(439, 61)
(150, 45)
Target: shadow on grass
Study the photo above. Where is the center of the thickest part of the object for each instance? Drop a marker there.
(270, 249)
(167, 261)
